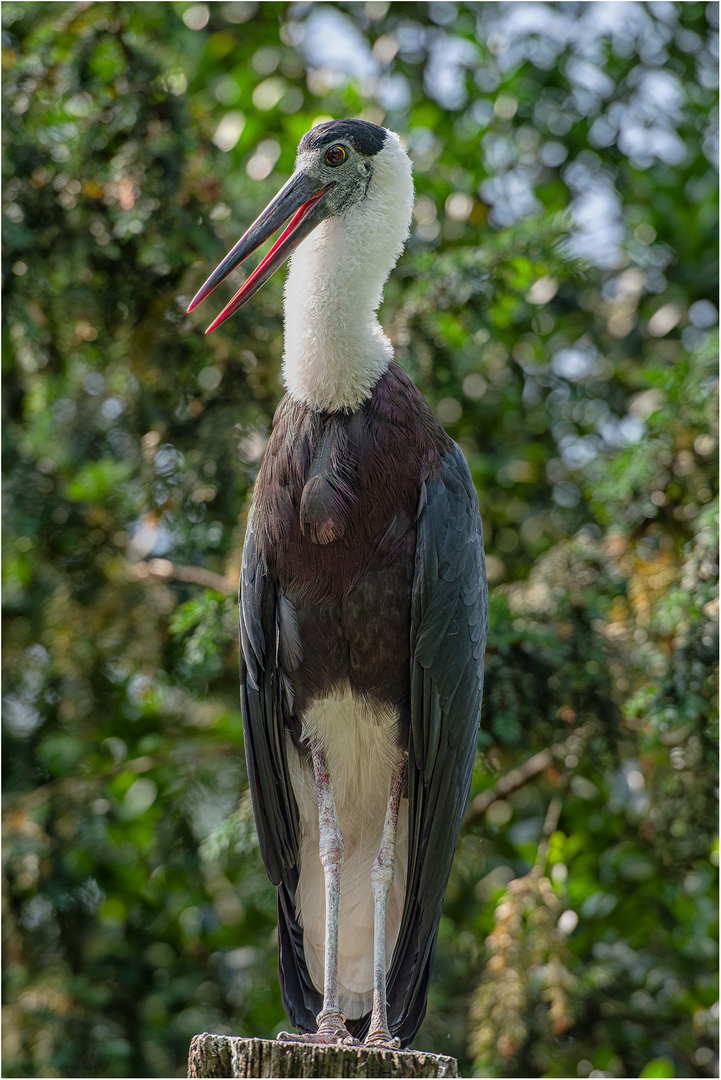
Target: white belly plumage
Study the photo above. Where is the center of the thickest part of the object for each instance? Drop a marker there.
(361, 750)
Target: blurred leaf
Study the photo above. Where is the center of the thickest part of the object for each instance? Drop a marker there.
(658, 1067)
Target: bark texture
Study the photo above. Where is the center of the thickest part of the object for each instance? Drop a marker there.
(230, 1056)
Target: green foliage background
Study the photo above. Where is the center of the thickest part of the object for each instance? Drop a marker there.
(557, 306)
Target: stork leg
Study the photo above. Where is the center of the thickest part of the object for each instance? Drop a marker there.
(381, 878)
(330, 1020)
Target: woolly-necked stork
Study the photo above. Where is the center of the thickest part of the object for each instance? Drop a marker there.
(363, 609)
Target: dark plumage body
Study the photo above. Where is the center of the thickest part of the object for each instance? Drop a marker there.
(341, 572)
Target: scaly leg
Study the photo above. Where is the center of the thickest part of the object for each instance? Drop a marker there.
(381, 878)
(330, 1020)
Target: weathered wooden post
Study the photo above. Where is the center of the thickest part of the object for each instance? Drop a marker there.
(231, 1056)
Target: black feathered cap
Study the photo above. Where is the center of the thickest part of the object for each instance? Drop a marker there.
(363, 136)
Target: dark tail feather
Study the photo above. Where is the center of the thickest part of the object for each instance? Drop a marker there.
(301, 1000)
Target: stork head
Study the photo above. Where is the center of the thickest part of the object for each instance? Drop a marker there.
(334, 172)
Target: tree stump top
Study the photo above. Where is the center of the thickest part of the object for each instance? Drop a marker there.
(231, 1056)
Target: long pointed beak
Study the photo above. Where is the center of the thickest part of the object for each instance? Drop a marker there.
(299, 198)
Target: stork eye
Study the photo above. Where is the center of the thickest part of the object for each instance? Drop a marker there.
(335, 156)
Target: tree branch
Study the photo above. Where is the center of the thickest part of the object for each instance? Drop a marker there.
(574, 745)
(165, 570)
(510, 782)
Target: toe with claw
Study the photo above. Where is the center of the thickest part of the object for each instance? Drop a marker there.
(331, 1031)
(382, 1040)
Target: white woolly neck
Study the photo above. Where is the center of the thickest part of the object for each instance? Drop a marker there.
(335, 348)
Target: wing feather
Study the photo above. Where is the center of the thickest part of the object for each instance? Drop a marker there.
(262, 709)
(448, 632)
(269, 632)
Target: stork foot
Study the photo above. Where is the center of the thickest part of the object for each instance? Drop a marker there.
(319, 1038)
(331, 1031)
(382, 1040)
